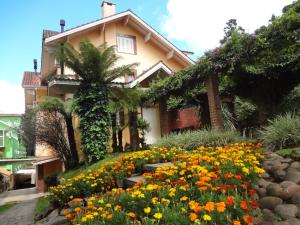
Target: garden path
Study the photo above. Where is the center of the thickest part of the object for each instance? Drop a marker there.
(20, 214)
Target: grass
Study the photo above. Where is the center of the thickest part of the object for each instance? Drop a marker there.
(41, 205)
(7, 206)
(293, 153)
(84, 168)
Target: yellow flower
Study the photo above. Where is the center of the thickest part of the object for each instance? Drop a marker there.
(245, 170)
(154, 200)
(206, 217)
(147, 210)
(131, 214)
(157, 216)
(184, 198)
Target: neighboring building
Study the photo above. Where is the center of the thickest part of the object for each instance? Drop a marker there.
(30, 83)
(136, 42)
(10, 142)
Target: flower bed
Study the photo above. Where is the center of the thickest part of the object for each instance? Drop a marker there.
(205, 186)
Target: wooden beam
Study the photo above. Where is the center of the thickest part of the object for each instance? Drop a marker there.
(147, 37)
(126, 20)
(170, 54)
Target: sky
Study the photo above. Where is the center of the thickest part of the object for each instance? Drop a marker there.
(194, 25)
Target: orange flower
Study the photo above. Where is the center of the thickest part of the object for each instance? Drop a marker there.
(229, 201)
(247, 219)
(236, 222)
(210, 206)
(244, 206)
(77, 209)
(131, 214)
(193, 216)
(220, 206)
(195, 206)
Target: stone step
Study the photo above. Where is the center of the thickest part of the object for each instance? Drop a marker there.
(153, 167)
(131, 181)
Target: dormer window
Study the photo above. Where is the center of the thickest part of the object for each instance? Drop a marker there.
(126, 44)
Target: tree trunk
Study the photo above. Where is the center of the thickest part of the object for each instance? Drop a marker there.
(214, 103)
(120, 140)
(114, 132)
(72, 142)
(134, 135)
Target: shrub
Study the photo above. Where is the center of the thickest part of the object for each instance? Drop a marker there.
(282, 132)
(194, 139)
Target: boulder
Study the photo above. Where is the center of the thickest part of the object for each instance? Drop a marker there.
(290, 191)
(270, 202)
(286, 211)
(265, 223)
(295, 165)
(279, 174)
(274, 189)
(281, 223)
(293, 176)
(268, 215)
(286, 160)
(284, 166)
(271, 165)
(296, 199)
(262, 192)
(263, 183)
(287, 183)
(59, 220)
(293, 221)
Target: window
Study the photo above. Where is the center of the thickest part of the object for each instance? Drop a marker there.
(126, 44)
(1, 138)
(131, 76)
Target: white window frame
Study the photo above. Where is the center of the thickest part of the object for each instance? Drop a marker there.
(121, 39)
(3, 137)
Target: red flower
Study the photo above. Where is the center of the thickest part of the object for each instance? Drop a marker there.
(244, 206)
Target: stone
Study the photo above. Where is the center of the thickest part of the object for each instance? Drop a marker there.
(279, 174)
(286, 211)
(287, 183)
(274, 189)
(290, 191)
(296, 199)
(270, 202)
(263, 183)
(59, 220)
(284, 166)
(153, 167)
(268, 215)
(262, 192)
(293, 176)
(281, 223)
(265, 223)
(295, 165)
(286, 160)
(293, 221)
(265, 175)
(271, 165)
(131, 181)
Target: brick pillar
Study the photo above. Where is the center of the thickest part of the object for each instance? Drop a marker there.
(214, 103)
(164, 117)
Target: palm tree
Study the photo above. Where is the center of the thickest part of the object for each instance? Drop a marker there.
(97, 68)
(121, 99)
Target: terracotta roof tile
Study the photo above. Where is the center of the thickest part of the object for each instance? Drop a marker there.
(49, 33)
(31, 79)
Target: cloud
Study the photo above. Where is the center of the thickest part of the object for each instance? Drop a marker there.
(11, 98)
(200, 23)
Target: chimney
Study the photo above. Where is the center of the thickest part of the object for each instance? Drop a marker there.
(108, 9)
(35, 65)
(62, 25)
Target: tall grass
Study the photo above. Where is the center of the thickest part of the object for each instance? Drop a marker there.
(194, 139)
(282, 132)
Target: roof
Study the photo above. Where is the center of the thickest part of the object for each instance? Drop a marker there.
(45, 159)
(4, 115)
(49, 33)
(31, 79)
(158, 66)
(5, 172)
(146, 29)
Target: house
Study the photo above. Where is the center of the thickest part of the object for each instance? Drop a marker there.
(136, 42)
(10, 142)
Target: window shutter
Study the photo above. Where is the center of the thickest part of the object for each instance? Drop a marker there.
(125, 44)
